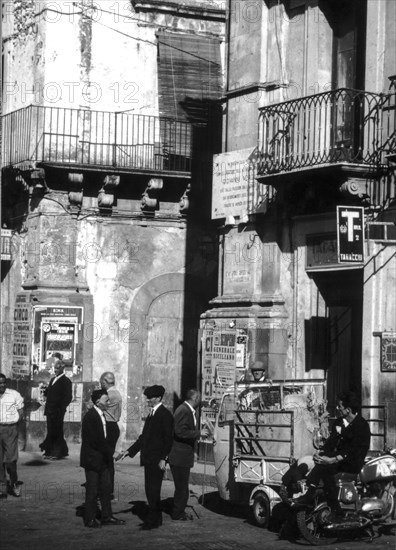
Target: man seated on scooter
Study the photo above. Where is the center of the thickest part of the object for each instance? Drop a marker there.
(343, 451)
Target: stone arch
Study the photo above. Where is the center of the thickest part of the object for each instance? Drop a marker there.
(164, 318)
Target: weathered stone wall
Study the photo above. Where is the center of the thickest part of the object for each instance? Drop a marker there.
(379, 315)
(103, 56)
(97, 55)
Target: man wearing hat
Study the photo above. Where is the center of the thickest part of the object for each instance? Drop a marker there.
(258, 372)
(154, 445)
(251, 398)
(96, 458)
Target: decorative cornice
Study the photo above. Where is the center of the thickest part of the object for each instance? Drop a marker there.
(187, 8)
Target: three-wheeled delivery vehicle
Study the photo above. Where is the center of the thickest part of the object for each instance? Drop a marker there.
(260, 429)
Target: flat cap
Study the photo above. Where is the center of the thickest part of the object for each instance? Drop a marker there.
(154, 391)
(257, 365)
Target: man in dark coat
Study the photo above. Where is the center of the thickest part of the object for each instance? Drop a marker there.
(96, 457)
(344, 451)
(181, 457)
(154, 445)
(58, 397)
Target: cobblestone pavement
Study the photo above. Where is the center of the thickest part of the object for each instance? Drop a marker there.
(44, 517)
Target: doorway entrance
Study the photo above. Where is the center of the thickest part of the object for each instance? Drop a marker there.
(342, 292)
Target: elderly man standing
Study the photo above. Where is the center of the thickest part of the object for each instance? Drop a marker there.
(58, 397)
(181, 457)
(112, 415)
(154, 445)
(96, 457)
(11, 410)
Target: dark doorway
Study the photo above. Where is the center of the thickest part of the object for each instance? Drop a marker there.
(342, 292)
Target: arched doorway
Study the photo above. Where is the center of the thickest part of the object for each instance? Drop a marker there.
(163, 350)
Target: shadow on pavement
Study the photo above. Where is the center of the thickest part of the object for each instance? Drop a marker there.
(36, 462)
(213, 502)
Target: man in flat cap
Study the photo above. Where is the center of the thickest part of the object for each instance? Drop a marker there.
(252, 398)
(154, 445)
(258, 371)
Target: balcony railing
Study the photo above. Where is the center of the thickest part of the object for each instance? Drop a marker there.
(82, 137)
(339, 126)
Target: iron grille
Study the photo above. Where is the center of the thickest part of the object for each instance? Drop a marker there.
(338, 126)
(96, 138)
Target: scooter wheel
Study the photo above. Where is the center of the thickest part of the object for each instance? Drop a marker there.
(310, 525)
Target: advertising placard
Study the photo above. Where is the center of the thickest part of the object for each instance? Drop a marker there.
(350, 234)
(57, 329)
(22, 336)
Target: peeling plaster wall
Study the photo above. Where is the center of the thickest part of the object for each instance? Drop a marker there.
(87, 57)
(101, 56)
(23, 46)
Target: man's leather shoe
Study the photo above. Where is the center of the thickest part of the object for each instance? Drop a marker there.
(306, 499)
(113, 521)
(3, 495)
(93, 524)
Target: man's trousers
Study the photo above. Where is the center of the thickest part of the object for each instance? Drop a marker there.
(181, 476)
(153, 476)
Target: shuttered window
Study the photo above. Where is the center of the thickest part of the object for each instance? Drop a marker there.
(189, 75)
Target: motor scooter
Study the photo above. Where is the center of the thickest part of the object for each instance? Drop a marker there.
(367, 501)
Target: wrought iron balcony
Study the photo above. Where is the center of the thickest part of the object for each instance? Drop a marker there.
(38, 135)
(340, 126)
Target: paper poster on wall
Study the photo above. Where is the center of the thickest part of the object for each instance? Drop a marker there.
(22, 336)
(57, 330)
(219, 351)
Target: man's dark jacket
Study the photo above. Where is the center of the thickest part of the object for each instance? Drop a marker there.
(58, 395)
(185, 435)
(351, 442)
(156, 439)
(96, 453)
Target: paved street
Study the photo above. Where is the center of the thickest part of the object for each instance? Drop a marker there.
(44, 516)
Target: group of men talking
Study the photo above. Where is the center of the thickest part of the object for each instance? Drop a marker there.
(165, 438)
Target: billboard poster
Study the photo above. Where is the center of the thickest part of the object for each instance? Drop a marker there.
(22, 336)
(219, 356)
(57, 329)
(223, 361)
(350, 234)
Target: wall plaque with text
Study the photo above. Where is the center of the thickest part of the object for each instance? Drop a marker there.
(232, 173)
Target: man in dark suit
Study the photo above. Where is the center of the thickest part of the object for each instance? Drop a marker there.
(58, 397)
(96, 457)
(154, 445)
(181, 457)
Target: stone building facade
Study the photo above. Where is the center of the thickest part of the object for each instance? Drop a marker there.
(110, 112)
(309, 127)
